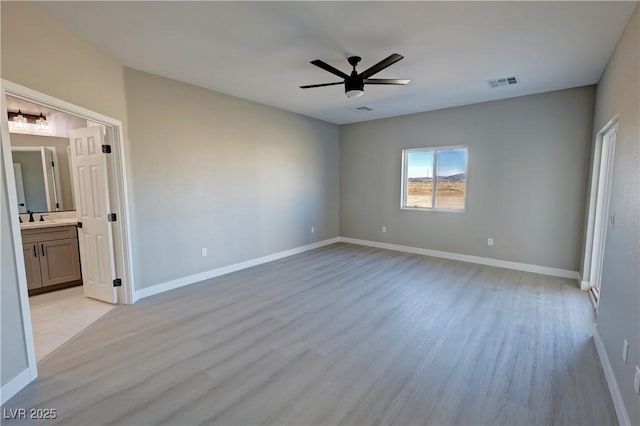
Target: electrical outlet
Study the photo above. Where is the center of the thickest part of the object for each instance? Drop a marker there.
(625, 350)
(636, 380)
(490, 242)
(313, 229)
(384, 229)
(204, 252)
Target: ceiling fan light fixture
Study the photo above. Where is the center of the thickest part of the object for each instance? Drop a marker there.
(354, 93)
(354, 87)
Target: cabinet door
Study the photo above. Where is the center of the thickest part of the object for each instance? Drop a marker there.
(59, 261)
(32, 265)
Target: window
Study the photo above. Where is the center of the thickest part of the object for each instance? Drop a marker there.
(444, 189)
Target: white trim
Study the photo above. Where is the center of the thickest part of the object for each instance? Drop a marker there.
(195, 278)
(594, 300)
(27, 329)
(614, 390)
(56, 177)
(585, 285)
(545, 270)
(593, 196)
(603, 198)
(15, 385)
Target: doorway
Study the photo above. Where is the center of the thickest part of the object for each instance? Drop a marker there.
(600, 215)
(110, 134)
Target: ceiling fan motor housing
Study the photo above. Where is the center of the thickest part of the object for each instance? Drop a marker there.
(353, 87)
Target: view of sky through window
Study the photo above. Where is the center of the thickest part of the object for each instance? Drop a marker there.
(450, 162)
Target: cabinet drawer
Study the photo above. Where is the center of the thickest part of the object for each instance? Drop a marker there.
(48, 234)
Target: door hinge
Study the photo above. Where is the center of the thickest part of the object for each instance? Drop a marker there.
(57, 205)
(106, 149)
(79, 224)
(117, 282)
(53, 164)
(111, 217)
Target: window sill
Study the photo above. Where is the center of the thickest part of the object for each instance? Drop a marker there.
(420, 209)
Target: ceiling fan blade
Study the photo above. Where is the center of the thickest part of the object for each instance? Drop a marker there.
(325, 66)
(320, 85)
(386, 81)
(381, 65)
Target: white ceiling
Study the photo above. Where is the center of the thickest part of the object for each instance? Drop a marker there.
(261, 50)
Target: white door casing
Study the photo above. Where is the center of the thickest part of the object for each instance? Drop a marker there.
(52, 156)
(91, 191)
(17, 172)
(48, 183)
(52, 184)
(602, 219)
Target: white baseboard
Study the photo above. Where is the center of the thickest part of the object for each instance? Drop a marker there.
(14, 386)
(192, 279)
(585, 285)
(614, 390)
(545, 270)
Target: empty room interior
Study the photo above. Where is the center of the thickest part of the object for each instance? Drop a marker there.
(320, 213)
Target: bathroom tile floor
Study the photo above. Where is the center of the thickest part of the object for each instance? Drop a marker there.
(59, 316)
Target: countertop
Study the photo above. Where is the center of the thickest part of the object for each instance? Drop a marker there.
(49, 223)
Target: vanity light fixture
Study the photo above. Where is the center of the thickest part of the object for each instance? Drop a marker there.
(20, 120)
(41, 123)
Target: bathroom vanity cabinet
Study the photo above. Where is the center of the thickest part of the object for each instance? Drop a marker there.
(52, 259)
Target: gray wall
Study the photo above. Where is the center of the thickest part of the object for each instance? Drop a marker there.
(527, 175)
(61, 144)
(619, 311)
(210, 170)
(13, 350)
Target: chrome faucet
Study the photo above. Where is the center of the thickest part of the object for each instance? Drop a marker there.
(30, 216)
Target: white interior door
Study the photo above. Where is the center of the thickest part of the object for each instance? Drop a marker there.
(17, 172)
(602, 217)
(91, 191)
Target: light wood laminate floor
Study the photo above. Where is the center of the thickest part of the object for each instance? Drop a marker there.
(339, 335)
(59, 316)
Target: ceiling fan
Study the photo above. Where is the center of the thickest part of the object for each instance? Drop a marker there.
(354, 83)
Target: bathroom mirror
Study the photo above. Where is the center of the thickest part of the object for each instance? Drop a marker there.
(42, 176)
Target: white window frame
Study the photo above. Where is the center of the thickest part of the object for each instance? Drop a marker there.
(405, 176)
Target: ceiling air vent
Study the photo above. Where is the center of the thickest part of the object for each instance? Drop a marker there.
(504, 81)
(361, 109)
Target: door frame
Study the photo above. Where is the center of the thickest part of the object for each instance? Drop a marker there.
(118, 194)
(594, 239)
